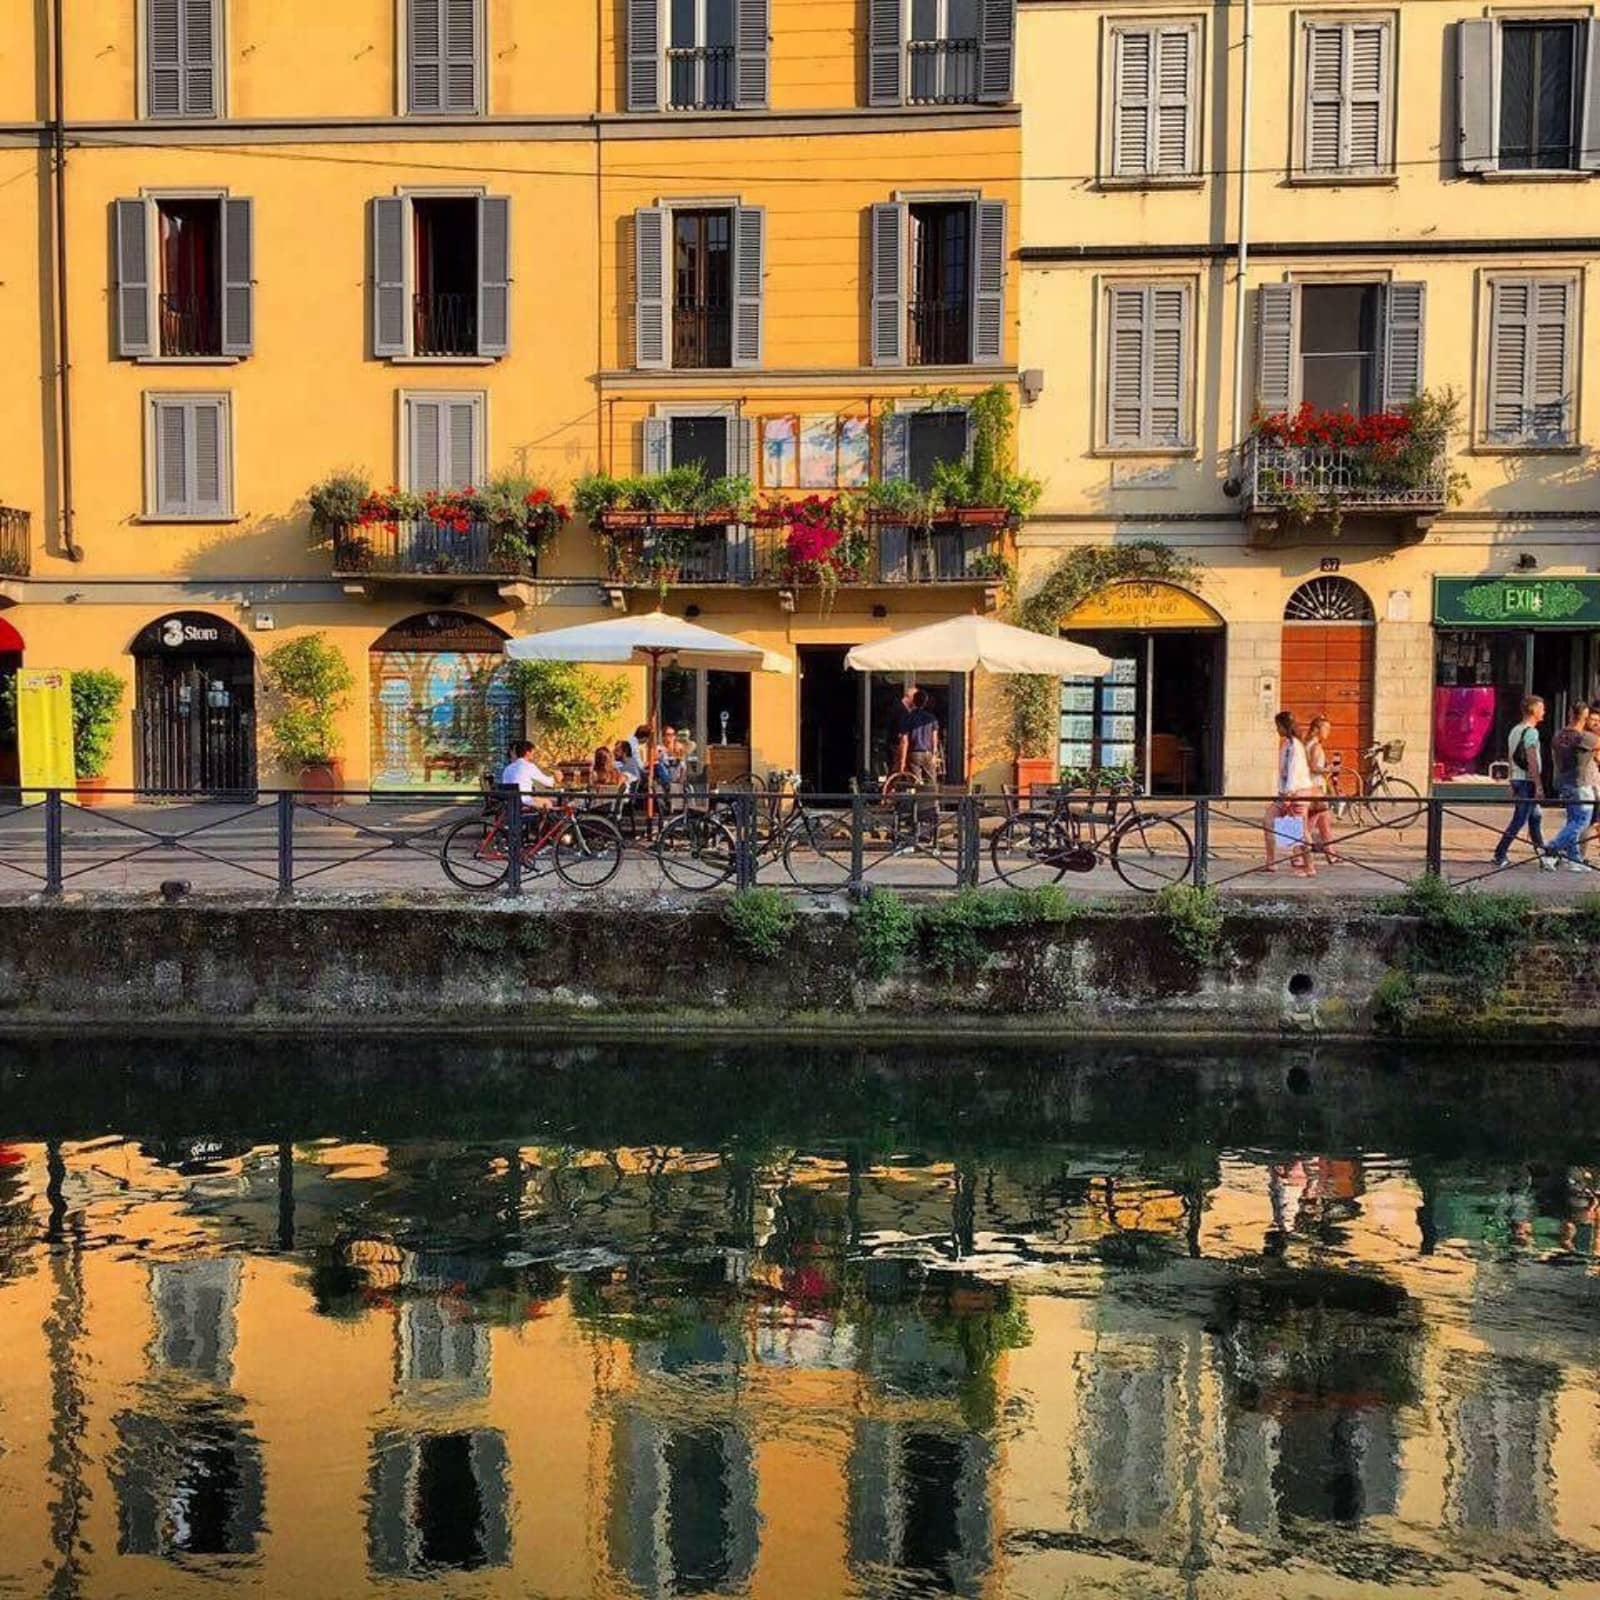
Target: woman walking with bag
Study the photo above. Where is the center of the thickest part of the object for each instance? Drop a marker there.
(1286, 815)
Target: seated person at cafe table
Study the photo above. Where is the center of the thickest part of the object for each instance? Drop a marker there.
(524, 773)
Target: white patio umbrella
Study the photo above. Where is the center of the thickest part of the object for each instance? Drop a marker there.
(972, 643)
(652, 641)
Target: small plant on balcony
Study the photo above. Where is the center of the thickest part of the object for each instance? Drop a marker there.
(680, 491)
(336, 502)
(823, 544)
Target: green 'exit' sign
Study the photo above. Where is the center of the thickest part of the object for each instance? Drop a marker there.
(1516, 602)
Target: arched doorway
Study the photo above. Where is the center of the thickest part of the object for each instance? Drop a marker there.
(1158, 713)
(195, 706)
(10, 664)
(1328, 637)
(443, 706)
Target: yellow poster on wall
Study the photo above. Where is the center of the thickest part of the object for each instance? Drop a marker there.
(44, 730)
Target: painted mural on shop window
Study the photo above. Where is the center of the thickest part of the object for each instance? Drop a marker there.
(443, 704)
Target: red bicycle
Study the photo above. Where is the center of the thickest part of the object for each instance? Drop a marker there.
(583, 848)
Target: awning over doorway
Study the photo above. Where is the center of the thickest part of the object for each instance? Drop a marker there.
(1140, 604)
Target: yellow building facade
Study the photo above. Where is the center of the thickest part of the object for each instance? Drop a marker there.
(1245, 210)
(433, 242)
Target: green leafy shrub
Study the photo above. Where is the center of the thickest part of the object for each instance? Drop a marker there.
(96, 699)
(1394, 1001)
(886, 930)
(569, 709)
(1470, 935)
(1583, 925)
(1193, 918)
(684, 489)
(762, 921)
(310, 680)
(953, 929)
(337, 500)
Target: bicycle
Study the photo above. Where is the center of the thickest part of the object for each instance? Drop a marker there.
(584, 848)
(1146, 849)
(1373, 796)
(698, 848)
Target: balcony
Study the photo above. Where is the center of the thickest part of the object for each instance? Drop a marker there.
(16, 543)
(940, 332)
(648, 549)
(702, 334)
(943, 72)
(1296, 493)
(428, 550)
(700, 79)
(190, 325)
(445, 324)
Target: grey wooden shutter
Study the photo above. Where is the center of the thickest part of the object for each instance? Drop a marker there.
(644, 55)
(651, 328)
(426, 463)
(1366, 96)
(238, 277)
(1132, 57)
(1530, 361)
(131, 227)
(888, 309)
(171, 435)
(885, 53)
(894, 446)
(752, 31)
(391, 263)
(494, 275)
(742, 446)
(461, 56)
(163, 58)
(425, 57)
(1550, 381)
(459, 447)
(191, 472)
(749, 273)
(1324, 111)
(1589, 121)
(1403, 319)
(199, 58)
(653, 445)
(1167, 365)
(1125, 365)
(1477, 147)
(989, 280)
(997, 28)
(208, 433)
(1277, 347)
(1174, 114)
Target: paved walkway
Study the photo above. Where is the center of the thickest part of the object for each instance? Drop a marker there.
(389, 846)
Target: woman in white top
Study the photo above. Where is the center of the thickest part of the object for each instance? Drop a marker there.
(1294, 790)
(1320, 814)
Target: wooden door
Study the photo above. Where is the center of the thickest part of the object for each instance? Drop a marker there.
(1327, 670)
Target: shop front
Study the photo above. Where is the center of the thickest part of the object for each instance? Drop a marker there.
(194, 707)
(1497, 640)
(443, 706)
(1158, 713)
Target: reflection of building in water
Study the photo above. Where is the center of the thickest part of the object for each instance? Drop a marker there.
(438, 1501)
(1500, 1428)
(919, 1504)
(440, 1349)
(187, 1474)
(1123, 1454)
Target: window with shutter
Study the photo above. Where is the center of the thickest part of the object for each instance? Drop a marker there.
(444, 57)
(1147, 365)
(444, 436)
(888, 309)
(182, 66)
(1154, 114)
(1531, 361)
(189, 446)
(650, 229)
(1347, 110)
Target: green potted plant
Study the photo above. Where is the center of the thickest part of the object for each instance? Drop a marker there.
(96, 700)
(310, 683)
(568, 709)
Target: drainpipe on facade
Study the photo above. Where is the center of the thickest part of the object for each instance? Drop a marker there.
(1235, 484)
(69, 543)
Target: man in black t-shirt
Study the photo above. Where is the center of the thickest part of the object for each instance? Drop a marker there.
(1572, 755)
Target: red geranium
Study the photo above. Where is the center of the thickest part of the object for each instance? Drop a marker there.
(1341, 429)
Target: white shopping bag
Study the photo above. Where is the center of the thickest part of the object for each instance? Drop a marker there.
(1290, 830)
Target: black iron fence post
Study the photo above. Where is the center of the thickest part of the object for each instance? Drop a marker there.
(1435, 845)
(52, 841)
(744, 813)
(858, 826)
(511, 799)
(967, 841)
(285, 843)
(1202, 840)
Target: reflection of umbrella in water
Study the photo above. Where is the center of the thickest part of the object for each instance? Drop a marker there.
(654, 641)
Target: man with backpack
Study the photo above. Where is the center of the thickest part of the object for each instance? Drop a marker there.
(1527, 785)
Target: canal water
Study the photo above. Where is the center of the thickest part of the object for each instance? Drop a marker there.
(476, 1318)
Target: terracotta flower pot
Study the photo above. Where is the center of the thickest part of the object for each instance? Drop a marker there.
(324, 777)
(1034, 769)
(92, 791)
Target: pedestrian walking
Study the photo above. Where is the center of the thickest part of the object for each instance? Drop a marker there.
(1572, 757)
(1527, 785)
(1320, 814)
(1286, 814)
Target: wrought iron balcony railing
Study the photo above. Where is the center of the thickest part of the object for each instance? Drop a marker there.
(743, 554)
(445, 324)
(700, 79)
(702, 334)
(16, 543)
(191, 325)
(1366, 478)
(940, 332)
(943, 72)
(426, 550)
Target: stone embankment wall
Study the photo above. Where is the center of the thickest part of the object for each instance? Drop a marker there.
(1338, 972)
